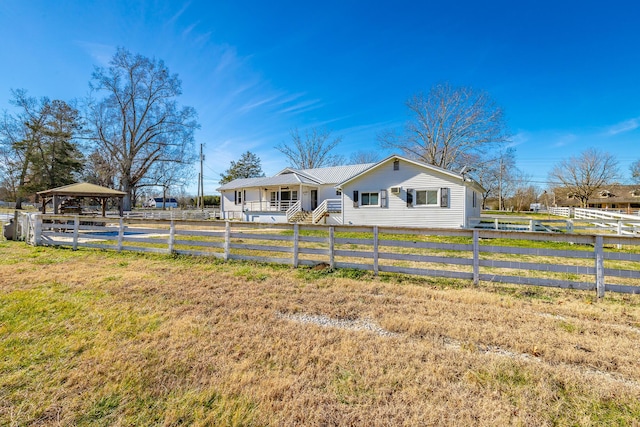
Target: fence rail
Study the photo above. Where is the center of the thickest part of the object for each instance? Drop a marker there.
(619, 226)
(588, 262)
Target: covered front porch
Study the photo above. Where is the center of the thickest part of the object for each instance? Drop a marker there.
(283, 198)
(288, 204)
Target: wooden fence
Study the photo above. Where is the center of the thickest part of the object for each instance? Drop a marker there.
(588, 262)
(592, 224)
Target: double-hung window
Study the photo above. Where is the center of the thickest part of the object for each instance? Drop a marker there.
(426, 198)
(370, 199)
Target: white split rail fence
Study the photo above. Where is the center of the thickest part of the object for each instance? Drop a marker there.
(587, 262)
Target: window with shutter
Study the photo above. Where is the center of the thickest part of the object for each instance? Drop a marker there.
(383, 198)
(444, 197)
(355, 198)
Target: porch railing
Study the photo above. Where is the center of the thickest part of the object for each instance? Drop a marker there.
(294, 209)
(329, 205)
(269, 206)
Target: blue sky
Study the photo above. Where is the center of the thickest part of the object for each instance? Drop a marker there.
(566, 73)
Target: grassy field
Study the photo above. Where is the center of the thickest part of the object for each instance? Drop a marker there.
(101, 338)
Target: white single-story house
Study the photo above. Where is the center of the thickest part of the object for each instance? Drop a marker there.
(157, 202)
(396, 191)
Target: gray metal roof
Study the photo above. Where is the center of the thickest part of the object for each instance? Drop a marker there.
(289, 176)
(240, 183)
(336, 174)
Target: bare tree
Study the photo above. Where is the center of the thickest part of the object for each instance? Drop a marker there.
(311, 150)
(361, 157)
(582, 175)
(449, 126)
(139, 123)
(493, 174)
(635, 171)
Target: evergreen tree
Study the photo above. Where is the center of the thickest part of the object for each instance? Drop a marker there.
(248, 166)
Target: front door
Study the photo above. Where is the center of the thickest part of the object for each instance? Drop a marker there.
(314, 199)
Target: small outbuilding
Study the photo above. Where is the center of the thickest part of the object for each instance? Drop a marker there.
(79, 191)
(159, 202)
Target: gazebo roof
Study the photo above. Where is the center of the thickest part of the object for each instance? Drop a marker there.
(82, 189)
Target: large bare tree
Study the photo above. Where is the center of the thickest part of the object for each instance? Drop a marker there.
(449, 126)
(312, 149)
(635, 171)
(364, 156)
(584, 174)
(138, 124)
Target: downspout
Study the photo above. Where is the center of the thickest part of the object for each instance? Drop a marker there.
(342, 203)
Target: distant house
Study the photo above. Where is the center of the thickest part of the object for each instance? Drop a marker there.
(157, 202)
(624, 198)
(395, 191)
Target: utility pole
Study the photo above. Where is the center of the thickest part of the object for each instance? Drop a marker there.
(201, 180)
(500, 187)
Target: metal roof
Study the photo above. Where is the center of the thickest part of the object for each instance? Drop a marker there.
(336, 174)
(290, 176)
(240, 183)
(82, 189)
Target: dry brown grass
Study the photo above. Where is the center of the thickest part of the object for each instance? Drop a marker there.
(100, 338)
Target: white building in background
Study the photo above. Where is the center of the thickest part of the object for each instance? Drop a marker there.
(393, 192)
(159, 203)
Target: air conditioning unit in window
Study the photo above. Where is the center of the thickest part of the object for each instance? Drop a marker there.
(395, 190)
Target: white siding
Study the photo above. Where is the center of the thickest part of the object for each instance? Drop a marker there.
(473, 211)
(268, 217)
(232, 210)
(326, 192)
(409, 176)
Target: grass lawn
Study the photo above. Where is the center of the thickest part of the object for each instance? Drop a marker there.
(94, 338)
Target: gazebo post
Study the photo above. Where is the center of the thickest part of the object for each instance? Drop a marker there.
(55, 204)
(103, 203)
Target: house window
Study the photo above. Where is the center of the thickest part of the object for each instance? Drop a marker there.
(285, 197)
(369, 199)
(238, 197)
(396, 165)
(426, 198)
(475, 199)
(338, 193)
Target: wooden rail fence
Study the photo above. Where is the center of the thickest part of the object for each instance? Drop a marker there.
(587, 262)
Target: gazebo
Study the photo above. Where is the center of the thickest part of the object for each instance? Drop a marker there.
(81, 190)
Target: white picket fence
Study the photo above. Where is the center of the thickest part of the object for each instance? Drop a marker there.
(587, 262)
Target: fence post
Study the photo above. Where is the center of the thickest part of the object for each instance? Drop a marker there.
(619, 227)
(497, 224)
(569, 226)
(531, 226)
(375, 250)
(476, 257)
(331, 248)
(37, 230)
(227, 240)
(76, 226)
(15, 225)
(172, 237)
(296, 236)
(120, 234)
(599, 255)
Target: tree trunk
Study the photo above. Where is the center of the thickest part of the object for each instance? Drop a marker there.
(126, 200)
